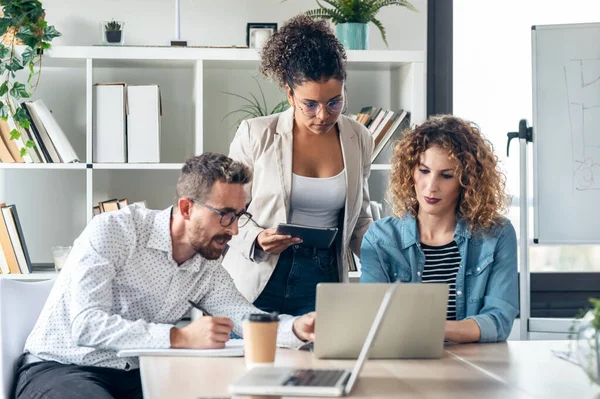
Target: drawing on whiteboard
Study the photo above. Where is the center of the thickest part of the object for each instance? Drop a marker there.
(582, 78)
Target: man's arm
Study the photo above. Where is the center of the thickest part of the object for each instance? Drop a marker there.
(97, 257)
(223, 299)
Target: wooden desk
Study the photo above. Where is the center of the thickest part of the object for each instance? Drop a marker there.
(529, 366)
(449, 377)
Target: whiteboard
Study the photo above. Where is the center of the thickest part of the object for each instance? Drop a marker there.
(566, 133)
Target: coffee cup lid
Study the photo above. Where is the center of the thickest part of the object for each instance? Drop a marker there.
(262, 317)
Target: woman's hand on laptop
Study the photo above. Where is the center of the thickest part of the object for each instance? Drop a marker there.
(208, 332)
(273, 243)
(304, 327)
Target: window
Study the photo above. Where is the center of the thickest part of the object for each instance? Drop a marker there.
(492, 87)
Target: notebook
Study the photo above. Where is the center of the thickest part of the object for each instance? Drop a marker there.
(233, 348)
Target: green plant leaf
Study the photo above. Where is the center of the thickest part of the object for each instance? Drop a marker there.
(45, 46)
(5, 23)
(19, 90)
(15, 134)
(25, 31)
(23, 152)
(4, 51)
(4, 112)
(27, 55)
(30, 144)
(14, 65)
(378, 24)
(21, 118)
(50, 33)
(3, 88)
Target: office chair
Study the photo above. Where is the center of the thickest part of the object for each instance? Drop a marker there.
(20, 306)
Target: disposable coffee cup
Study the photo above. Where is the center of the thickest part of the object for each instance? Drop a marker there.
(260, 339)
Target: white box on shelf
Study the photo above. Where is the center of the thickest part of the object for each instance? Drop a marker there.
(109, 134)
(143, 124)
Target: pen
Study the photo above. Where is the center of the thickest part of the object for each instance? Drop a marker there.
(200, 308)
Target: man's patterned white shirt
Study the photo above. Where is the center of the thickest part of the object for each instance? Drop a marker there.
(121, 289)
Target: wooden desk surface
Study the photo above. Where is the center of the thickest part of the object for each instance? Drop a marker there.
(531, 367)
(449, 377)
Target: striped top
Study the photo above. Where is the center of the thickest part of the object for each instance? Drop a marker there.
(441, 266)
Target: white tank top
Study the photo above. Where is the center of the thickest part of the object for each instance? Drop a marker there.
(317, 201)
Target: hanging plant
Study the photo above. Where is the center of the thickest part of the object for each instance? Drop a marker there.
(25, 35)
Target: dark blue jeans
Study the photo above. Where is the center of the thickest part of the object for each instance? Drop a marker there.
(52, 380)
(292, 288)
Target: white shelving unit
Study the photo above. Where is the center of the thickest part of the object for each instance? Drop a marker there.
(35, 276)
(56, 202)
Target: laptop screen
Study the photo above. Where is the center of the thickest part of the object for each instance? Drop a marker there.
(364, 352)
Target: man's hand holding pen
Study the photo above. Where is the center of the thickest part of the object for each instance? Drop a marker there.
(208, 332)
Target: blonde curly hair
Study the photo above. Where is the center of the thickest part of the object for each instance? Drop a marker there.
(482, 199)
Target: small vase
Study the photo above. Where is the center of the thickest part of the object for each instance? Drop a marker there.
(353, 35)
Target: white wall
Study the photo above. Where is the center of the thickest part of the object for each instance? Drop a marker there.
(204, 22)
(51, 203)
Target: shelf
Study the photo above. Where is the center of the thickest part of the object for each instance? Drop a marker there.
(380, 166)
(136, 56)
(35, 276)
(44, 166)
(138, 166)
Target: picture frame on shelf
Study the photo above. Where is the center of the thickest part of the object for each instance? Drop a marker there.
(257, 33)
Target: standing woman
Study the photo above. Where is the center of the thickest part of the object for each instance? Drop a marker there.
(311, 165)
(448, 227)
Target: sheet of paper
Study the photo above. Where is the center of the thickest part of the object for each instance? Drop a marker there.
(233, 348)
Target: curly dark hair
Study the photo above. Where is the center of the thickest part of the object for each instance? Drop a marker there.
(304, 49)
(482, 199)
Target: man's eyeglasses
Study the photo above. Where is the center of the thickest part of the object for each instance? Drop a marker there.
(312, 108)
(227, 218)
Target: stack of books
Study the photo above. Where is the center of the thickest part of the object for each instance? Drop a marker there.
(14, 257)
(50, 144)
(114, 205)
(386, 126)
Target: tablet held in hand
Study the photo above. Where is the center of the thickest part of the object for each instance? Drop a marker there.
(318, 237)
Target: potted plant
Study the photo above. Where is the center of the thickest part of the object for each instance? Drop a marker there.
(254, 107)
(113, 32)
(352, 18)
(25, 35)
(587, 333)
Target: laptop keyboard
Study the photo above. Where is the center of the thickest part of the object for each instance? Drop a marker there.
(314, 378)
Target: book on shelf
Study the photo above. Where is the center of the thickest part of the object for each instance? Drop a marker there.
(351, 261)
(384, 143)
(39, 130)
(114, 205)
(5, 155)
(11, 145)
(109, 135)
(56, 135)
(21, 141)
(143, 124)
(16, 239)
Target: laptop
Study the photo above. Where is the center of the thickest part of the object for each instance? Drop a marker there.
(287, 381)
(413, 328)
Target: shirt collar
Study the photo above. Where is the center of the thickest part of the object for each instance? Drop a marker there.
(411, 236)
(160, 237)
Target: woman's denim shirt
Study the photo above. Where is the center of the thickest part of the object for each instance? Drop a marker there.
(486, 283)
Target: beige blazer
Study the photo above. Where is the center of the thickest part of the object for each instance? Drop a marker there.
(265, 145)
